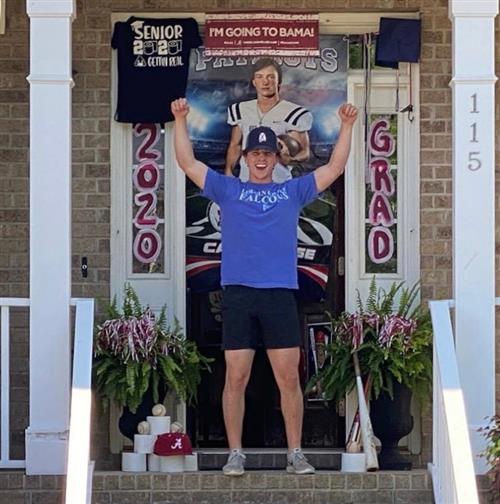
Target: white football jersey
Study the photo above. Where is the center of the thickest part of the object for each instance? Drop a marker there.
(285, 116)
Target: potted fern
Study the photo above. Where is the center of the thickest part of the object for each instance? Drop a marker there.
(393, 340)
(138, 357)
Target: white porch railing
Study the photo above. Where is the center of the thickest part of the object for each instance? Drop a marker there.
(79, 473)
(79, 438)
(452, 467)
(5, 305)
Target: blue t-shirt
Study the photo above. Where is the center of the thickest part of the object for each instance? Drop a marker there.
(259, 228)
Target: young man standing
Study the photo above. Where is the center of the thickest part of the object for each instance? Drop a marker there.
(259, 270)
(290, 122)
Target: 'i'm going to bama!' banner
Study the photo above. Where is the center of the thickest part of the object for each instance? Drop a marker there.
(276, 34)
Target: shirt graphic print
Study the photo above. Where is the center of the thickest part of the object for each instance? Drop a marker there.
(267, 198)
(153, 64)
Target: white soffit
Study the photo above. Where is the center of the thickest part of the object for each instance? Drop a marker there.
(473, 8)
(51, 8)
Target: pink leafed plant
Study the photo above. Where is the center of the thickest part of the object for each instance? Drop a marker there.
(135, 350)
(392, 334)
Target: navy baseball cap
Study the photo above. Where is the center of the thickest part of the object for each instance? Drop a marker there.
(261, 138)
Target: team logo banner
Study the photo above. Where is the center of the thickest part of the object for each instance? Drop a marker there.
(219, 86)
(254, 33)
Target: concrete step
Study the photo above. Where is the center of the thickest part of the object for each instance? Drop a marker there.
(255, 487)
(212, 459)
(263, 487)
(211, 487)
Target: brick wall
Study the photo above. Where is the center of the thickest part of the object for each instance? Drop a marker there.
(91, 153)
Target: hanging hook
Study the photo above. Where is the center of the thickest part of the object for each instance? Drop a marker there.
(409, 109)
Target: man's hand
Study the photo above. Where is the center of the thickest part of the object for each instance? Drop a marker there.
(327, 174)
(179, 108)
(194, 169)
(348, 114)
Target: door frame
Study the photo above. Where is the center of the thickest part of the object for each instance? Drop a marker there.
(408, 216)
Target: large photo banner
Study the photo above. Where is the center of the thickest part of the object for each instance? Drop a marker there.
(223, 94)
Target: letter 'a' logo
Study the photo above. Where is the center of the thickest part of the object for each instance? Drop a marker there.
(262, 138)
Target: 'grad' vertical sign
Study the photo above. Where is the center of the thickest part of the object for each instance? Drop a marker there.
(147, 193)
(381, 186)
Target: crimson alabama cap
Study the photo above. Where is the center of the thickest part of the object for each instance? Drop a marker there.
(173, 443)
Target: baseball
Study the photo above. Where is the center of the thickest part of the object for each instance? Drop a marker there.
(143, 428)
(176, 427)
(159, 410)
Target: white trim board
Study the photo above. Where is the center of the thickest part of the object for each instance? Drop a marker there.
(330, 22)
(3, 15)
(383, 82)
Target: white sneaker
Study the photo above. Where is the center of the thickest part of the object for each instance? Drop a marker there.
(298, 464)
(235, 465)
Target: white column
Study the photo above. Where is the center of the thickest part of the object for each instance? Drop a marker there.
(474, 208)
(50, 234)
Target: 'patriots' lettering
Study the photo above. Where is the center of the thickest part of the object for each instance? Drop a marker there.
(328, 61)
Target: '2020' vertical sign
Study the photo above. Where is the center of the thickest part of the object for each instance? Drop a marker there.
(147, 179)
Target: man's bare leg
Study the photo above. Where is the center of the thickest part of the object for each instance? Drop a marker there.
(285, 364)
(238, 368)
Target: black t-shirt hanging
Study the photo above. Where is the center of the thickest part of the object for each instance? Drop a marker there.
(153, 64)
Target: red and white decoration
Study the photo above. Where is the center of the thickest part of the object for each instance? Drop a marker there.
(381, 183)
(260, 33)
(146, 181)
(161, 449)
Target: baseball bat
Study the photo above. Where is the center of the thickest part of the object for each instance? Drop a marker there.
(353, 444)
(367, 436)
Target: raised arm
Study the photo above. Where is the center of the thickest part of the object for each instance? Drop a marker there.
(233, 150)
(325, 175)
(194, 169)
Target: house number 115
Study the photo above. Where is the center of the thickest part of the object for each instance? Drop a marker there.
(474, 160)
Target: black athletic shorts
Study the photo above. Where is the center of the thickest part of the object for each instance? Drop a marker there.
(252, 315)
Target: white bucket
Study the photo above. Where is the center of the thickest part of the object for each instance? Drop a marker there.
(159, 424)
(144, 443)
(173, 463)
(153, 463)
(191, 462)
(133, 462)
(353, 462)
